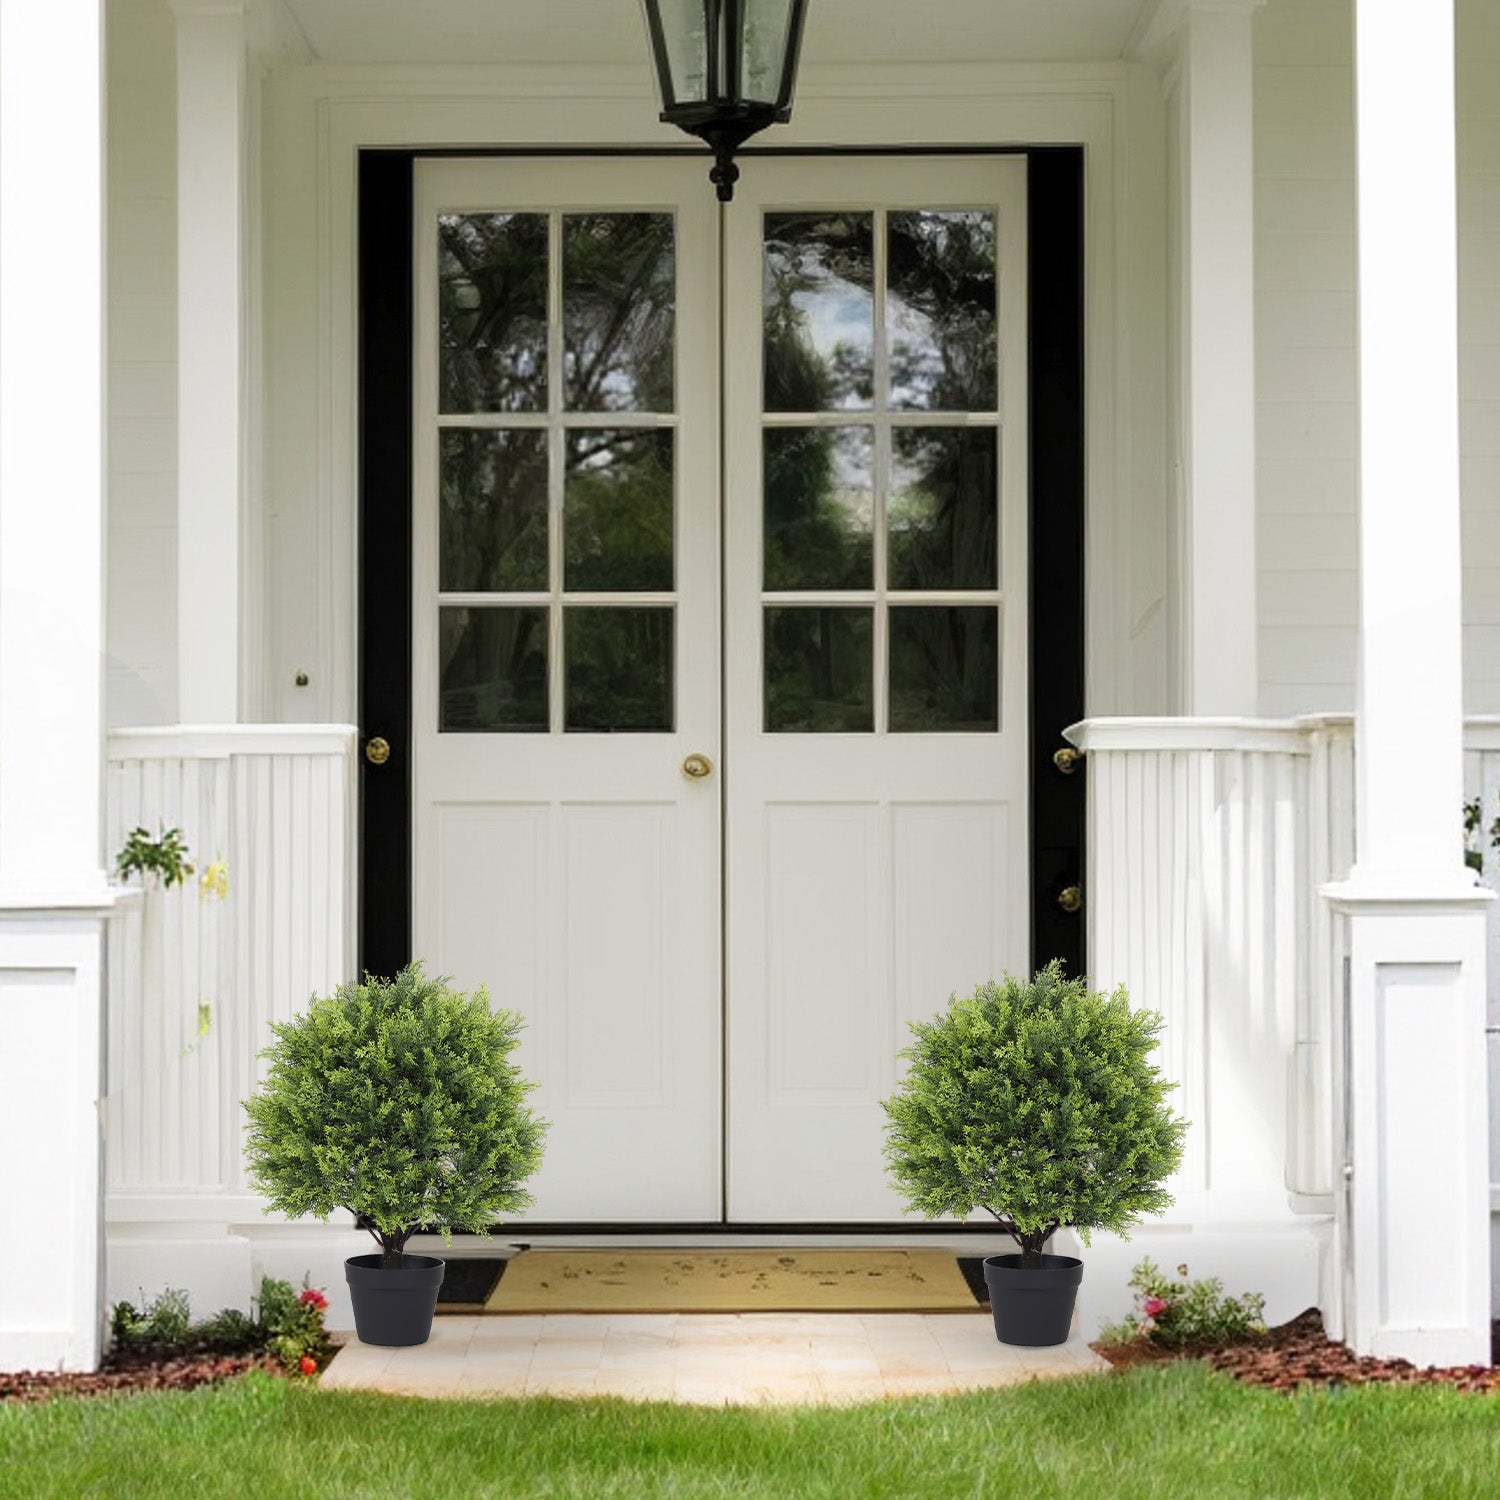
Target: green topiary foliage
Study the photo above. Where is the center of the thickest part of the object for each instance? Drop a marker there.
(1037, 1103)
(396, 1099)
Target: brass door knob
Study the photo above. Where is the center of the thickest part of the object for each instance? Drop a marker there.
(1067, 760)
(696, 767)
(1070, 898)
(377, 751)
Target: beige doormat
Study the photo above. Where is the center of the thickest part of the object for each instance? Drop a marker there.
(731, 1281)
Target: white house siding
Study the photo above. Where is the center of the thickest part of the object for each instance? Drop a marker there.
(141, 682)
(1306, 359)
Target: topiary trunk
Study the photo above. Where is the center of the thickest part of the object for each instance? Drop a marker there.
(1031, 1249)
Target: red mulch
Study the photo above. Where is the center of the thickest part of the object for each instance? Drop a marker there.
(1298, 1354)
(127, 1372)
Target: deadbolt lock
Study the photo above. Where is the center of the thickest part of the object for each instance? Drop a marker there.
(1067, 760)
(377, 751)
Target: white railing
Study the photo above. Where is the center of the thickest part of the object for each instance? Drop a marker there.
(1209, 841)
(195, 979)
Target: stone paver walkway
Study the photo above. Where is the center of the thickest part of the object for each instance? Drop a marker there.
(707, 1359)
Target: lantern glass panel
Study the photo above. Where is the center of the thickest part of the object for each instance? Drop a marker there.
(684, 29)
(763, 52)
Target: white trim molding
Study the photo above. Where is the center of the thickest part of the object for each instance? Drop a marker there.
(1204, 52)
(213, 168)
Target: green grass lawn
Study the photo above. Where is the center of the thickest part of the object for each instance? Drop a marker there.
(1175, 1430)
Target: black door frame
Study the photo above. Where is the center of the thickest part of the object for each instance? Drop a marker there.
(1055, 228)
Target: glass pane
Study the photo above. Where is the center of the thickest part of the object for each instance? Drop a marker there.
(818, 307)
(941, 312)
(492, 312)
(617, 510)
(619, 308)
(687, 48)
(492, 669)
(820, 503)
(945, 668)
(766, 23)
(942, 509)
(819, 670)
(619, 668)
(493, 522)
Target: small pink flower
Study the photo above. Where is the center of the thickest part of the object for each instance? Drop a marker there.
(314, 1298)
(1153, 1307)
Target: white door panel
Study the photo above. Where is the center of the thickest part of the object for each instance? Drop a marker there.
(575, 872)
(870, 873)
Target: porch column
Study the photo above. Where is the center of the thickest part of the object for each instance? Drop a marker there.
(1414, 1223)
(211, 188)
(1206, 50)
(53, 893)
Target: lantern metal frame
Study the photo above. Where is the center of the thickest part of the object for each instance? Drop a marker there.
(724, 119)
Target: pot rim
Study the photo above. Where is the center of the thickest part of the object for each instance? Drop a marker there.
(1010, 1260)
(364, 1264)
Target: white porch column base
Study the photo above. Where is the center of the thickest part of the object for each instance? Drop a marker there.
(51, 1165)
(1413, 1216)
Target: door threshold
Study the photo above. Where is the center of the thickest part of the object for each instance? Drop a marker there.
(505, 1240)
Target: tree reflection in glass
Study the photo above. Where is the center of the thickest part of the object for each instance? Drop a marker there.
(819, 670)
(941, 310)
(818, 311)
(492, 312)
(493, 517)
(492, 670)
(945, 669)
(942, 508)
(617, 510)
(619, 669)
(619, 311)
(819, 507)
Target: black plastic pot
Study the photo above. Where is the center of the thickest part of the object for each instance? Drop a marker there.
(395, 1306)
(1032, 1307)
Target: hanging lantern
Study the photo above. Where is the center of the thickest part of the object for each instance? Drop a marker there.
(725, 70)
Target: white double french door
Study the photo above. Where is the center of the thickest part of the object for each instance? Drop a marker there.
(719, 643)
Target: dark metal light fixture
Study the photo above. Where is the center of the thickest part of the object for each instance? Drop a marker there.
(726, 69)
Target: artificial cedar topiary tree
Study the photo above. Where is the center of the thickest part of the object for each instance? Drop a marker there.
(1039, 1104)
(396, 1099)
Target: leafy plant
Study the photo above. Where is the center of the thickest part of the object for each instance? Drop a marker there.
(1473, 853)
(1038, 1103)
(1176, 1312)
(285, 1323)
(292, 1324)
(164, 1321)
(165, 857)
(396, 1099)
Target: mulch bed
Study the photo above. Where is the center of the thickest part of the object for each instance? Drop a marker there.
(134, 1371)
(1300, 1353)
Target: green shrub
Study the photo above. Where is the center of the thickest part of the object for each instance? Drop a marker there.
(1038, 1104)
(286, 1323)
(164, 1321)
(396, 1099)
(1176, 1312)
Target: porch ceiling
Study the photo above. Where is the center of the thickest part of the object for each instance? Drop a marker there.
(588, 31)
